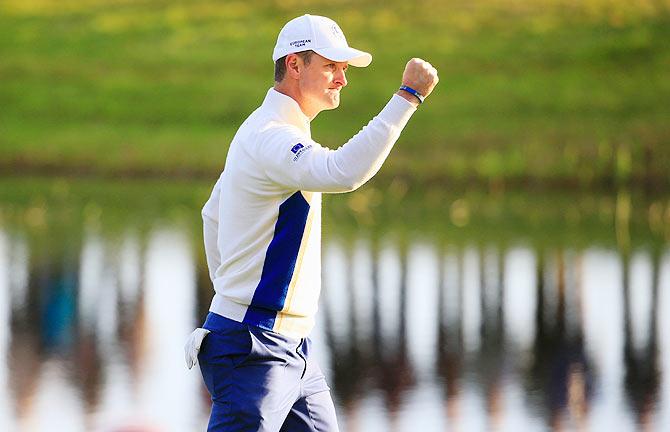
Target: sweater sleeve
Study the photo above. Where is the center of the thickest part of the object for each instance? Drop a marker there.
(210, 219)
(292, 159)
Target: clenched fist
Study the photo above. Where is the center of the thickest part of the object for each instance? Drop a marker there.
(421, 76)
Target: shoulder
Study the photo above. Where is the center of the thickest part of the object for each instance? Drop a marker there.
(279, 135)
(279, 143)
(279, 131)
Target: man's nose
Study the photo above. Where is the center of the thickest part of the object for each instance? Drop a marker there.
(341, 78)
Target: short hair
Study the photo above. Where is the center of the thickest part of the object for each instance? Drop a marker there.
(280, 64)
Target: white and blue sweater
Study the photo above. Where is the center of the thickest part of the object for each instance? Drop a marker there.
(262, 222)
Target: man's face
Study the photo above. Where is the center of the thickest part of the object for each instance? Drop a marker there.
(320, 83)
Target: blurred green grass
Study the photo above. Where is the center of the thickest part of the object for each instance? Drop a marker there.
(553, 91)
(442, 215)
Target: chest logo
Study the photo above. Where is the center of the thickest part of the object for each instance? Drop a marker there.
(296, 148)
(299, 149)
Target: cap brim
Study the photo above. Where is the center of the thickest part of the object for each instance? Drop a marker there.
(353, 56)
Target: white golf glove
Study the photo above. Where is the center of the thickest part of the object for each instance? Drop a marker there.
(192, 347)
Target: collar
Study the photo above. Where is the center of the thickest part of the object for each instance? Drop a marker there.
(287, 109)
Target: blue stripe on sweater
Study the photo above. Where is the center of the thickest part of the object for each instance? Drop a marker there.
(280, 259)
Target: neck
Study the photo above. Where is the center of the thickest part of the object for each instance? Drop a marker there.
(292, 90)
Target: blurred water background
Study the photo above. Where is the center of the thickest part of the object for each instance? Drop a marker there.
(508, 269)
(444, 310)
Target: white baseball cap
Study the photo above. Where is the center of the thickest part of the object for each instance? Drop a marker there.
(319, 34)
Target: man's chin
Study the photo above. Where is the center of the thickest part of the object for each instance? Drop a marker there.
(334, 103)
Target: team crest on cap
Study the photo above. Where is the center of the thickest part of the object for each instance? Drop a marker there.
(336, 31)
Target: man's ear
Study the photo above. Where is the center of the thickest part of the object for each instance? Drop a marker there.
(293, 65)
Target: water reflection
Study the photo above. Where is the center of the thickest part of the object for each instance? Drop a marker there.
(94, 332)
(642, 371)
(560, 370)
(561, 384)
(416, 331)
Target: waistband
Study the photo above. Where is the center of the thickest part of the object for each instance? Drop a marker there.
(220, 324)
(216, 322)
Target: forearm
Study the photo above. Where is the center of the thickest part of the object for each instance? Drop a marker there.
(363, 155)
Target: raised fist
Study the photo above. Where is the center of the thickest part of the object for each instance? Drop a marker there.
(420, 75)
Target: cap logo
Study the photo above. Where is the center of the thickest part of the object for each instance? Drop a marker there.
(300, 43)
(336, 31)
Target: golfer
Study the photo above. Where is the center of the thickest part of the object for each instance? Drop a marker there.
(262, 232)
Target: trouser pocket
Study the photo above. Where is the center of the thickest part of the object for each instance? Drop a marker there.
(220, 353)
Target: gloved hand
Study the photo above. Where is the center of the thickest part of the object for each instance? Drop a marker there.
(192, 347)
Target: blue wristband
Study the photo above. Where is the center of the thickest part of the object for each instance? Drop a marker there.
(410, 90)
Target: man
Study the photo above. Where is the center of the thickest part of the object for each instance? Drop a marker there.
(262, 231)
